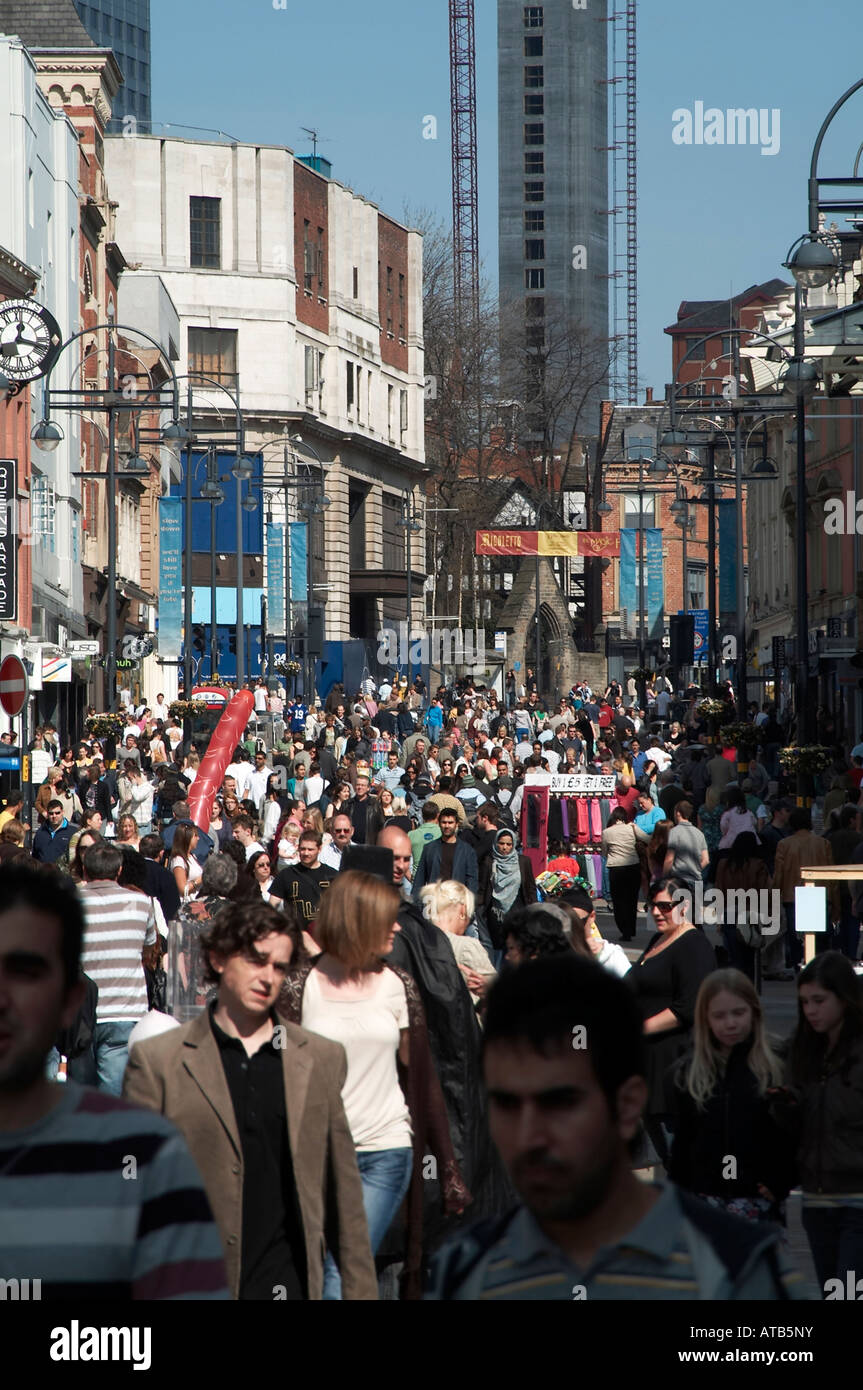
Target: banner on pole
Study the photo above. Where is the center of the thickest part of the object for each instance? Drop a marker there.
(727, 516)
(299, 562)
(628, 586)
(654, 583)
(8, 540)
(170, 577)
(276, 578)
(551, 543)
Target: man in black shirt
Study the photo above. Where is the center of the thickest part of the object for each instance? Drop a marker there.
(359, 810)
(259, 1102)
(303, 884)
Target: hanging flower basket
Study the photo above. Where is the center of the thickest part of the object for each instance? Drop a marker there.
(105, 725)
(641, 673)
(741, 735)
(811, 758)
(187, 709)
(712, 709)
(286, 666)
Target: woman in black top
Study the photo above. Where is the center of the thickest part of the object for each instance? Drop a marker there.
(666, 980)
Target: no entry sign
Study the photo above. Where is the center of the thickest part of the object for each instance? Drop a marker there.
(13, 685)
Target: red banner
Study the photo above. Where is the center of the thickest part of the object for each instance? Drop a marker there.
(572, 543)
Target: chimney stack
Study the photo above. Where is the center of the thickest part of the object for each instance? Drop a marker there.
(648, 400)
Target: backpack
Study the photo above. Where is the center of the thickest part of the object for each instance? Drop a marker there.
(506, 819)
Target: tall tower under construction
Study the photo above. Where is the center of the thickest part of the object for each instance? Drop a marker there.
(553, 138)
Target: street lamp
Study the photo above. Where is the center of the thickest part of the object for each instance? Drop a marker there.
(46, 436)
(408, 521)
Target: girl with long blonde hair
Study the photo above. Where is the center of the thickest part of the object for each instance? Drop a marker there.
(727, 1147)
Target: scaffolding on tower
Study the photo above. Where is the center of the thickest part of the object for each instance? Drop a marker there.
(623, 181)
(465, 228)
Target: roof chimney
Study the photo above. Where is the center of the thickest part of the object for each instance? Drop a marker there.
(648, 399)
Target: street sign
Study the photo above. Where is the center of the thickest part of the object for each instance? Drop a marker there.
(56, 669)
(85, 647)
(14, 687)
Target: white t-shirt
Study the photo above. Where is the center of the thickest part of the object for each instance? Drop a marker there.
(368, 1029)
(260, 699)
(193, 868)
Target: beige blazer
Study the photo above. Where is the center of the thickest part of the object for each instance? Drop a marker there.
(180, 1075)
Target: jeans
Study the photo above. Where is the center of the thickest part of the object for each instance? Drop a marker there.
(386, 1177)
(104, 1062)
(835, 1236)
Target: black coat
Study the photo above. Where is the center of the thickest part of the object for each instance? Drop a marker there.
(735, 1123)
(525, 897)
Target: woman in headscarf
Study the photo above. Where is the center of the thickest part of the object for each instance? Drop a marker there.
(506, 883)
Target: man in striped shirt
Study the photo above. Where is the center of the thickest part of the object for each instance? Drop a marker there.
(119, 924)
(98, 1199)
(563, 1063)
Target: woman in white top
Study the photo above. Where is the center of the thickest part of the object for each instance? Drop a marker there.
(184, 866)
(352, 998)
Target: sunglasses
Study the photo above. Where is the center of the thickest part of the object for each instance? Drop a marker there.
(665, 907)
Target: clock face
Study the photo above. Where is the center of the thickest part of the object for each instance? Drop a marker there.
(30, 339)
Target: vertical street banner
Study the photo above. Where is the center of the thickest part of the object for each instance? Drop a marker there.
(628, 586)
(701, 644)
(654, 583)
(299, 562)
(727, 527)
(170, 577)
(8, 539)
(276, 578)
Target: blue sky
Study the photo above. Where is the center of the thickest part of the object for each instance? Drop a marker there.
(712, 219)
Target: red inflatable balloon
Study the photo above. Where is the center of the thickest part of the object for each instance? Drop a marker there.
(226, 735)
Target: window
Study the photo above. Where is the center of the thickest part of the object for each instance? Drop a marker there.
(533, 16)
(534, 221)
(535, 335)
(696, 586)
(534, 250)
(403, 412)
(312, 374)
(402, 308)
(393, 534)
(534, 309)
(356, 288)
(390, 397)
(534, 163)
(727, 346)
(534, 133)
(205, 232)
(349, 373)
(533, 48)
(43, 509)
(534, 279)
(534, 76)
(639, 444)
(534, 192)
(698, 352)
(308, 258)
(213, 354)
(390, 301)
(319, 260)
(359, 376)
(534, 104)
(630, 509)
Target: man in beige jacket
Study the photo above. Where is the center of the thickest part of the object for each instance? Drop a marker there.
(259, 1103)
(801, 850)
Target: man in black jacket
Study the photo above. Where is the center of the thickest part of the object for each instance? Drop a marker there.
(447, 858)
(161, 883)
(51, 840)
(480, 836)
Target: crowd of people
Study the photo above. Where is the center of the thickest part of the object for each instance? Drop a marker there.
(381, 1052)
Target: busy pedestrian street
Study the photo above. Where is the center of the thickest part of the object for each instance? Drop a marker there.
(431, 681)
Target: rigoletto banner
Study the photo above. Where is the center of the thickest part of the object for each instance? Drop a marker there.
(548, 543)
(8, 539)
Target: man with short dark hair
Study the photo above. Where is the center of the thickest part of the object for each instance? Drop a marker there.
(119, 924)
(446, 858)
(51, 840)
(244, 832)
(259, 1100)
(161, 883)
(564, 1068)
(302, 884)
(425, 833)
(99, 1199)
(359, 810)
(342, 829)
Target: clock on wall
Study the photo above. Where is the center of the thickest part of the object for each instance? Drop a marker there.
(30, 340)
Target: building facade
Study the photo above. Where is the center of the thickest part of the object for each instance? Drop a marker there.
(300, 299)
(124, 27)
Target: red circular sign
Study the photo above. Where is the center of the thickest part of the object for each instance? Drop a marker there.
(14, 686)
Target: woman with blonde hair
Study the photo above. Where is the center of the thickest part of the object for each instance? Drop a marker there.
(392, 1098)
(727, 1147)
(313, 820)
(450, 906)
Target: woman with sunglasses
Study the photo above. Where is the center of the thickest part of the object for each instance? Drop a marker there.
(666, 979)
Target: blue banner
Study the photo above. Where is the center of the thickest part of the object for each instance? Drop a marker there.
(276, 578)
(654, 583)
(299, 562)
(702, 628)
(727, 555)
(628, 588)
(170, 577)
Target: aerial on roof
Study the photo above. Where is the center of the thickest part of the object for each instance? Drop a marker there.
(44, 23)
